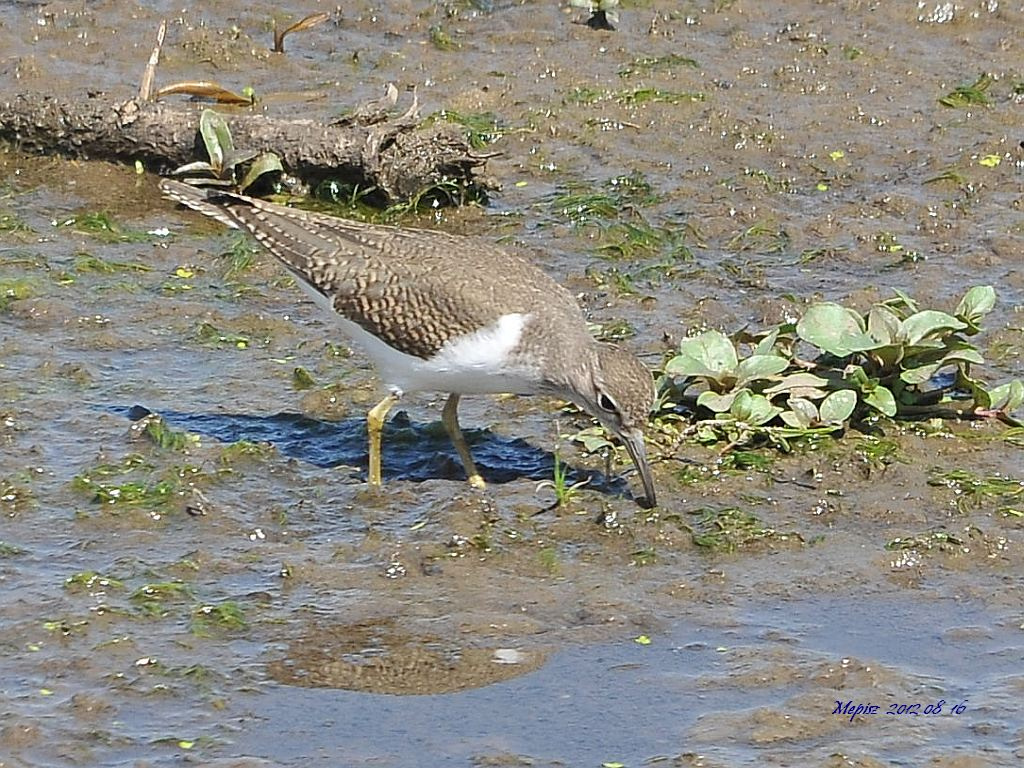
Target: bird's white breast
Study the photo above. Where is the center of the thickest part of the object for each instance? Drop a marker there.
(473, 364)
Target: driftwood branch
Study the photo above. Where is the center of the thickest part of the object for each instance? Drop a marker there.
(396, 155)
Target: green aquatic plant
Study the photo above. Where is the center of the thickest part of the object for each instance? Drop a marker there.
(91, 581)
(642, 557)
(87, 262)
(128, 493)
(632, 239)
(442, 39)
(942, 541)
(134, 483)
(886, 242)
(482, 128)
(14, 289)
(974, 94)
(971, 490)
(896, 360)
(240, 254)
(225, 160)
(11, 224)
(626, 193)
(878, 453)
(210, 335)
(586, 95)
(762, 237)
(746, 461)
(343, 198)
(244, 450)
(10, 550)
(100, 226)
(658, 96)
(152, 600)
(584, 207)
(633, 96)
(727, 529)
(302, 379)
(565, 491)
(443, 193)
(615, 212)
(157, 431)
(211, 617)
(644, 64)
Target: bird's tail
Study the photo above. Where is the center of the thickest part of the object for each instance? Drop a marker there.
(299, 239)
(199, 199)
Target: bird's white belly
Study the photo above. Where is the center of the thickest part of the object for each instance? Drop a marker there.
(474, 364)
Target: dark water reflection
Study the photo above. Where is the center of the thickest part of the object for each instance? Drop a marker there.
(411, 452)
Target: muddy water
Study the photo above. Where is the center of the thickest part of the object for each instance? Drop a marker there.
(250, 603)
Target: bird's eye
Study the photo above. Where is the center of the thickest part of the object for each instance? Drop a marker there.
(605, 403)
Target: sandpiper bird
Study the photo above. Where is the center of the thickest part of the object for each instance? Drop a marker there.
(446, 313)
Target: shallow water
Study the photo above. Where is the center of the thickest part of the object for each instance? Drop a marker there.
(257, 605)
(767, 686)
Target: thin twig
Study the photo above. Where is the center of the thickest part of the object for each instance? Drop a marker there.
(149, 73)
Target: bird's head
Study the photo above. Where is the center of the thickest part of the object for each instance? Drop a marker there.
(619, 391)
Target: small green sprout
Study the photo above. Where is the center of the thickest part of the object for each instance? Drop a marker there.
(564, 491)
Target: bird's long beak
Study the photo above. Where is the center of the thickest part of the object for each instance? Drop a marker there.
(634, 442)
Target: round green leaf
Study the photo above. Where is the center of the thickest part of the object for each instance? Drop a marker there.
(753, 409)
(965, 355)
(922, 373)
(883, 324)
(715, 402)
(762, 411)
(808, 393)
(268, 162)
(740, 408)
(1007, 397)
(796, 381)
(794, 420)
(881, 399)
(767, 344)
(759, 367)
(976, 303)
(709, 355)
(920, 367)
(927, 322)
(801, 414)
(834, 329)
(838, 406)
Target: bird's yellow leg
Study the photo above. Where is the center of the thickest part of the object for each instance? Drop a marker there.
(374, 426)
(450, 419)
